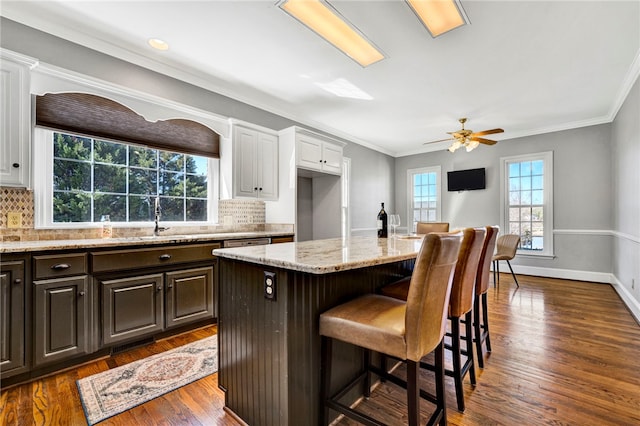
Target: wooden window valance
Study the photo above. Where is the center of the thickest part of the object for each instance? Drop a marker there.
(100, 117)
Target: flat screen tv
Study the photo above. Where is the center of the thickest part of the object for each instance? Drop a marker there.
(465, 180)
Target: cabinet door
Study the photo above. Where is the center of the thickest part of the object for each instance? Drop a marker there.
(15, 116)
(189, 296)
(12, 349)
(131, 308)
(309, 152)
(61, 318)
(332, 158)
(267, 166)
(245, 157)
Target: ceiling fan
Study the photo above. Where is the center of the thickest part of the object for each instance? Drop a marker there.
(468, 138)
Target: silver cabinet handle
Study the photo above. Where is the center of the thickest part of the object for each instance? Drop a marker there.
(159, 288)
(17, 281)
(164, 257)
(81, 294)
(60, 267)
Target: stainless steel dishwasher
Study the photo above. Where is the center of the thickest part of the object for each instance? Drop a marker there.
(247, 242)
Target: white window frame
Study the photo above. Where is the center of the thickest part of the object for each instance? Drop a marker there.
(547, 158)
(410, 173)
(43, 190)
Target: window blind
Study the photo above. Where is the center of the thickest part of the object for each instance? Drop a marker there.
(99, 117)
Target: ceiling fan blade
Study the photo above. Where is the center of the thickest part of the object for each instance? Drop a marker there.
(487, 132)
(483, 140)
(441, 140)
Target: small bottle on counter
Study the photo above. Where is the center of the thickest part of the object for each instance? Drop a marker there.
(107, 230)
(382, 222)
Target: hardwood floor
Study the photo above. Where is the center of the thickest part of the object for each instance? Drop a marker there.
(564, 352)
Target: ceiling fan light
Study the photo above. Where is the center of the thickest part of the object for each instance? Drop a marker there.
(439, 16)
(455, 145)
(471, 145)
(325, 21)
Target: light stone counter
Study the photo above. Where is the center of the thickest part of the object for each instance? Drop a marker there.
(43, 245)
(330, 255)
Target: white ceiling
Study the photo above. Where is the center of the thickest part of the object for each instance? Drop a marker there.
(527, 66)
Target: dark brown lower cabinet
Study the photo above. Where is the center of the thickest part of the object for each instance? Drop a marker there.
(61, 319)
(189, 296)
(12, 318)
(132, 307)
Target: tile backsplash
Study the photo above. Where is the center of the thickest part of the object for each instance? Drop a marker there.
(240, 212)
(233, 216)
(16, 200)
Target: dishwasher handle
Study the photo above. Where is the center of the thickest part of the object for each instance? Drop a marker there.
(247, 242)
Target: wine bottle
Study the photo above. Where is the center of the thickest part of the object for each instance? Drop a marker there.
(382, 223)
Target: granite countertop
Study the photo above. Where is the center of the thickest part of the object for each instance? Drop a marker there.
(42, 245)
(330, 255)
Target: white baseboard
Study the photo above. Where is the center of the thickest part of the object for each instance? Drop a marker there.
(632, 304)
(566, 274)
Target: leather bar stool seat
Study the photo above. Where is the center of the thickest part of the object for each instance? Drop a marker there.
(406, 330)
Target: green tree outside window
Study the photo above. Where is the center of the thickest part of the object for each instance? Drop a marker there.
(93, 177)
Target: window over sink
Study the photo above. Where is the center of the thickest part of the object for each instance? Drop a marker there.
(78, 179)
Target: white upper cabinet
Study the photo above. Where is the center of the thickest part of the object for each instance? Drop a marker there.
(15, 119)
(255, 163)
(316, 153)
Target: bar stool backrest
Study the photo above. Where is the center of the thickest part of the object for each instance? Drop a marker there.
(464, 279)
(484, 265)
(429, 292)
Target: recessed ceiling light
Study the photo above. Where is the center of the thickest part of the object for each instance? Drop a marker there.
(158, 44)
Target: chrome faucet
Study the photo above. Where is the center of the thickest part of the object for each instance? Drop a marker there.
(157, 229)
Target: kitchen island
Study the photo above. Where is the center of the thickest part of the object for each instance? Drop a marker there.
(270, 299)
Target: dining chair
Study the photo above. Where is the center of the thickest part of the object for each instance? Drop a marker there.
(407, 330)
(507, 245)
(481, 323)
(460, 306)
(426, 227)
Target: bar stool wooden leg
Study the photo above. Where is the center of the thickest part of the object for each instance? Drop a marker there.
(441, 406)
(457, 362)
(413, 392)
(367, 365)
(468, 329)
(485, 321)
(477, 332)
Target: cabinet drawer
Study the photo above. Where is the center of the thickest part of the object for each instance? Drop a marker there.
(118, 260)
(60, 265)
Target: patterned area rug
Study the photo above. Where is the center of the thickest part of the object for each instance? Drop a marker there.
(111, 392)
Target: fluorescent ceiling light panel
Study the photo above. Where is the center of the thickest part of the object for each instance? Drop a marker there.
(345, 89)
(323, 19)
(439, 16)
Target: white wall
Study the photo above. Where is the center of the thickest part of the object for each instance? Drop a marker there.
(626, 200)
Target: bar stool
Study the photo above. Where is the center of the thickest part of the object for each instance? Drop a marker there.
(481, 328)
(406, 330)
(427, 227)
(460, 305)
(507, 248)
